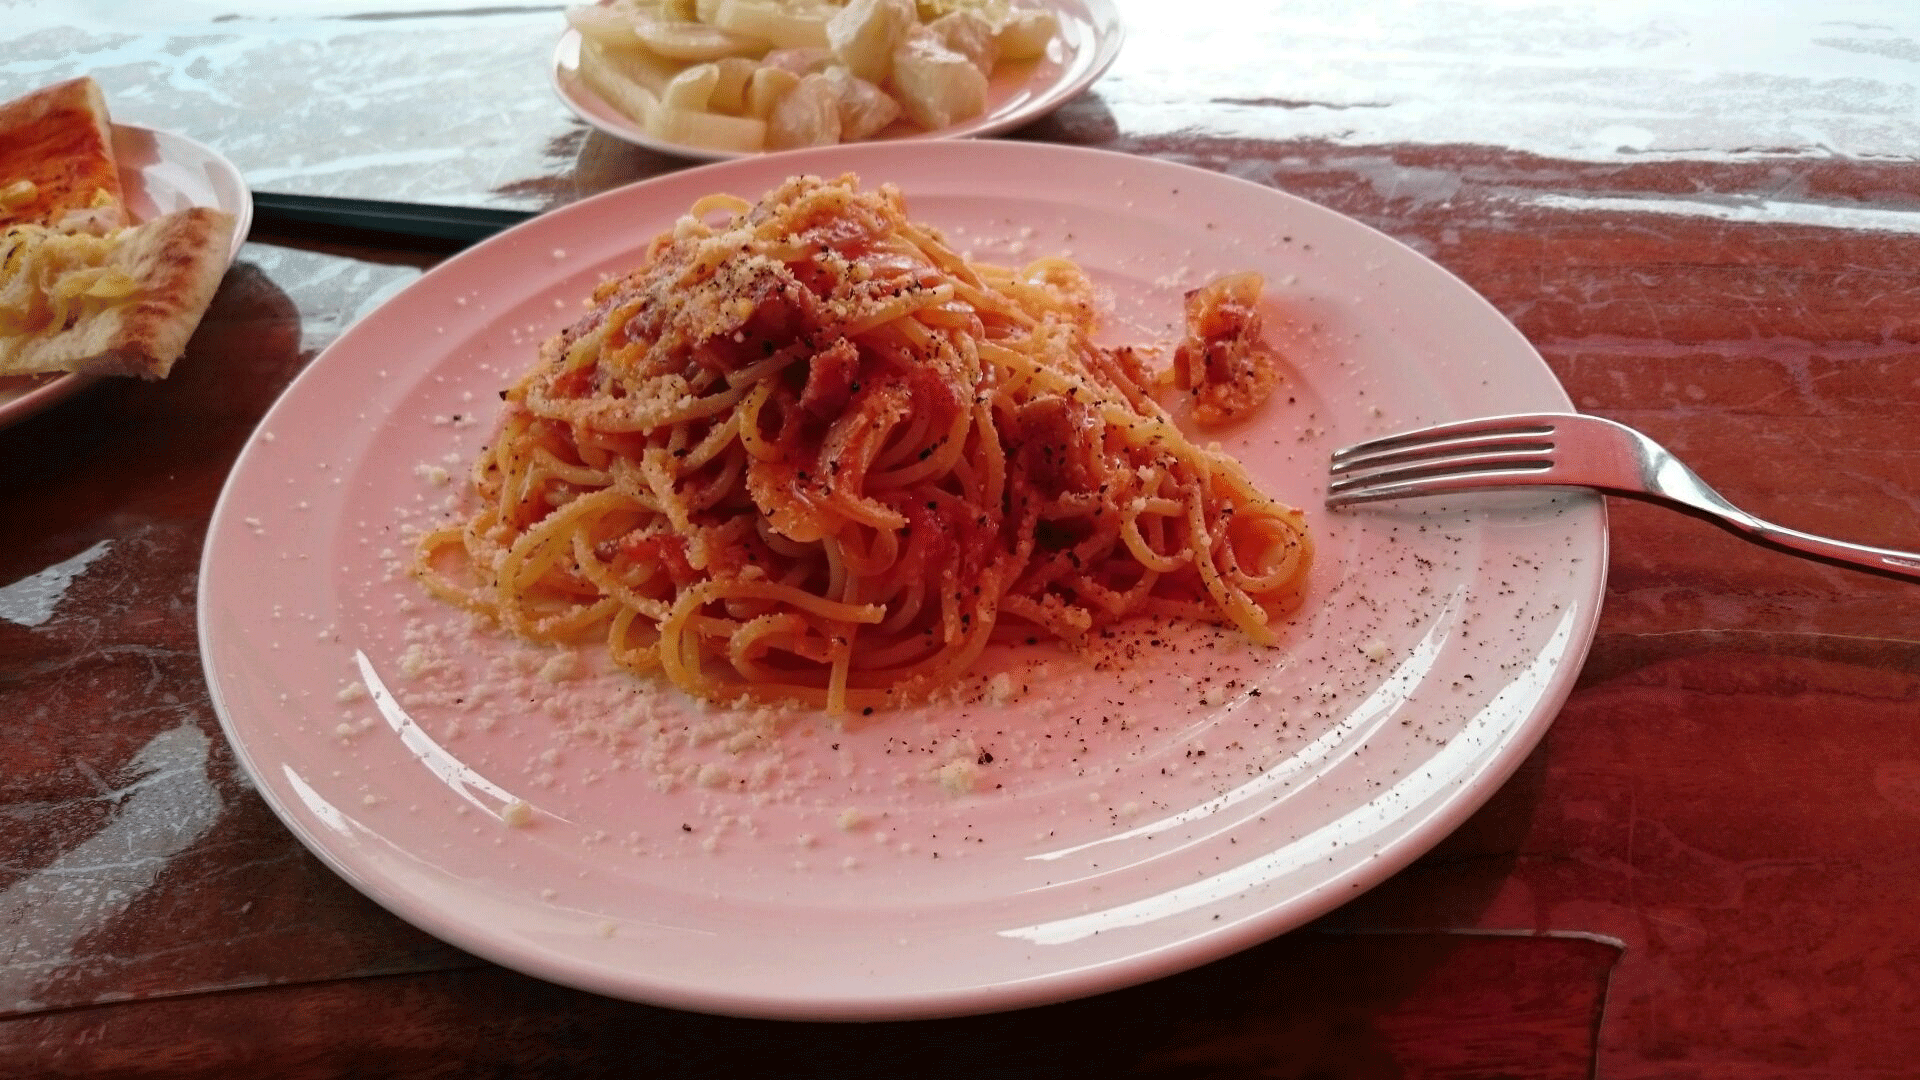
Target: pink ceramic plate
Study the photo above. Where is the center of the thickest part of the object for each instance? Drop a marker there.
(160, 172)
(1113, 819)
(1086, 46)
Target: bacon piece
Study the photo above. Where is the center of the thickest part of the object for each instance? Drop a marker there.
(1221, 361)
(1054, 448)
(665, 550)
(577, 383)
(830, 380)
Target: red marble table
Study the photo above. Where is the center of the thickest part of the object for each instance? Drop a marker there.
(1705, 215)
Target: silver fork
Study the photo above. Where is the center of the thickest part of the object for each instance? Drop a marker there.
(1565, 450)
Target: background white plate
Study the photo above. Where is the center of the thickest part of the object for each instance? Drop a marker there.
(1018, 93)
(160, 172)
(1134, 819)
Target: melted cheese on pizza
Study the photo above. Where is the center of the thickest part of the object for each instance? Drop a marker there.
(51, 279)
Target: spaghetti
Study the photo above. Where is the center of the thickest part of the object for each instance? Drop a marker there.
(808, 453)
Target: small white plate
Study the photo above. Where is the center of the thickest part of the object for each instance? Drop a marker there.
(160, 172)
(1019, 93)
(1128, 820)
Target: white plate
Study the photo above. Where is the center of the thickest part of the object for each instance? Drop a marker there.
(160, 172)
(1019, 93)
(1134, 820)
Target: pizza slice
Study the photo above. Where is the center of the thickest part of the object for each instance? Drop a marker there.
(80, 290)
(121, 304)
(56, 160)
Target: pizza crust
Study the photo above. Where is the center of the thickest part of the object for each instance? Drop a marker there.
(177, 261)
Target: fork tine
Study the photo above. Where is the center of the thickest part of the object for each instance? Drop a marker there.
(1442, 462)
(1527, 429)
(1464, 473)
(1465, 450)
(1485, 452)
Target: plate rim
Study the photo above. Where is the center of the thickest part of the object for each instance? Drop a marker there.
(1109, 34)
(1166, 958)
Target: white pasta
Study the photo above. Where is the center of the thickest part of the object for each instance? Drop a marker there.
(715, 74)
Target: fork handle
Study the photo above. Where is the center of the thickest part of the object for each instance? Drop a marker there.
(1903, 564)
(1666, 478)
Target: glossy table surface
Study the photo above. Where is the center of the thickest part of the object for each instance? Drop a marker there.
(1706, 217)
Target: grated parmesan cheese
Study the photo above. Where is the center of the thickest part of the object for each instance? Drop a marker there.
(958, 776)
